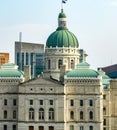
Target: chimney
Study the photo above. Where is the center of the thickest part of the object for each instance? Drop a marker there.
(27, 72)
(62, 73)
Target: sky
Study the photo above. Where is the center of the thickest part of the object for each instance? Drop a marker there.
(94, 22)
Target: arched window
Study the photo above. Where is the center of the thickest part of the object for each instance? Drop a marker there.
(49, 64)
(51, 114)
(31, 114)
(59, 63)
(51, 128)
(90, 127)
(90, 115)
(31, 127)
(72, 64)
(41, 127)
(71, 115)
(41, 114)
(5, 114)
(14, 114)
(81, 115)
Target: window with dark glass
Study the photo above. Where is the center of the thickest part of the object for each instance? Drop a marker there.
(81, 102)
(81, 115)
(104, 122)
(31, 102)
(31, 114)
(59, 63)
(104, 97)
(51, 102)
(5, 127)
(22, 60)
(5, 102)
(71, 102)
(90, 102)
(41, 114)
(90, 127)
(72, 64)
(41, 102)
(51, 128)
(49, 64)
(104, 111)
(27, 58)
(5, 114)
(71, 115)
(14, 127)
(14, 114)
(51, 114)
(31, 127)
(14, 102)
(90, 115)
(41, 127)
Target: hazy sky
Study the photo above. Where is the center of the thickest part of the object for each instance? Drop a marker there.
(94, 22)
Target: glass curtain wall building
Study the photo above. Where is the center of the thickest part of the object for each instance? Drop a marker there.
(30, 54)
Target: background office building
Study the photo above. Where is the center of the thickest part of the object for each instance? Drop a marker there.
(4, 58)
(30, 54)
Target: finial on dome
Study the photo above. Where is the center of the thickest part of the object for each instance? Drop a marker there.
(62, 11)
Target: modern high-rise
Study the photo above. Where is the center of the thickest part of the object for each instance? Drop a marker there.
(30, 54)
(4, 58)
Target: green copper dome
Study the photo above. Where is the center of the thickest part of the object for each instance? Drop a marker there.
(10, 73)
(10, 70)
(83, 71)
(62, 15)
(62, 37)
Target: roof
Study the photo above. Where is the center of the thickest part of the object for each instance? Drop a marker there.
(10, 73)
(10, 70)
(111, 70)
(83, 71)
(62, 15)
(105, 78)
(62, 38)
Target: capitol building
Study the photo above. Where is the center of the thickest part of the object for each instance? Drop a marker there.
(67, 95)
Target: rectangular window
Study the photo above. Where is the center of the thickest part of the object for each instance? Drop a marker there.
(51, 102)
(31, 102)
(14, 114)
(14, 102)
(71, 102)
(104, 111)
(104, 122)
(81, 128)
(90, 127)
(5, 127)
(5, 114)
(81, 102)
(71, 127)
(31, 127)
(90, 102)
(41, 102)
(5, 102)
(104, 97)
(14, 127)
